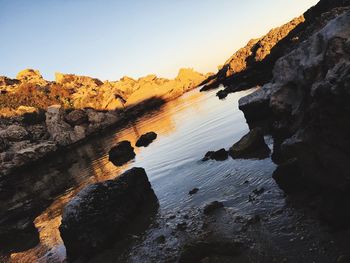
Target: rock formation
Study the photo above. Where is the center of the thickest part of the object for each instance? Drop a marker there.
(102, 212)
(307, 107)
(252, 65)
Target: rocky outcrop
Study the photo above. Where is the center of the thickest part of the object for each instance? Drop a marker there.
(121, 153)
(307, 105)
(252, 65)
(146, 139)
(219, 155)
(103, 212)
(251, 145)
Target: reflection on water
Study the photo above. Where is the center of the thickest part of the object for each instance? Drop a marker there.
(187, 128)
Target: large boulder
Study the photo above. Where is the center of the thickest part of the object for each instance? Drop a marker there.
(146, 139)
(121, 153)
(60, 131)
(251, 145)
(308, 101)
(103, 212)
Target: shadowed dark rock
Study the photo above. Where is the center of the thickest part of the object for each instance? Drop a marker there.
(146, 139)
(102, 213)
(76, 117)
(209, 208)
(220, 155)
(251, 145)
(121, 153)
(193, 191)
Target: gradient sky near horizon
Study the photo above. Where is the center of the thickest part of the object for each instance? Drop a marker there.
(109, 39)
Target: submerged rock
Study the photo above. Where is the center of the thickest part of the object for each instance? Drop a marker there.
(121, 153)
(219, 155)
(209, 208)
(251, 145)
(102, 213)
(146, 139)
(193, 191)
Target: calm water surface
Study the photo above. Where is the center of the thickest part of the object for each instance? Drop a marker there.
(187, 128)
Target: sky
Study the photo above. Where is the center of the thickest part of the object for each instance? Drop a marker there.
(109, 39)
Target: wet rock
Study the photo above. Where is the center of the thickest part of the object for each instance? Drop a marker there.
(259, 191)
(211, 207)
(121, 153)
(219, 155)
(221, 94)
(289, 176)
(251, 145)
(146, 139)
(193, 191)
(255, 106)
(103, 212)
(76, 117)
(197, 251)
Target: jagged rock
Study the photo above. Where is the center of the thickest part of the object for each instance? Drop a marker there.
(76, 117)
(146, 139)
(15, 133)
(308, 100)
(255, 106)
(29, 74)
(251, 145)
(121, 153)
(102, 213)
(254, 63)
(220, 155)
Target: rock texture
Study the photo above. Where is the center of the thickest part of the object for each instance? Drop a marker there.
(252, 65)
(307, 107)
(102, 212)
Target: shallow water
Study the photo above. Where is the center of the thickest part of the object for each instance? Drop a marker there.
(187, 128)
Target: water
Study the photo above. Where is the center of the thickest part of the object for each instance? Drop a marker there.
(187, 128)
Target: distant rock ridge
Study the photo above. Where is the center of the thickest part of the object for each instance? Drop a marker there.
(252, 65)
(73, 91)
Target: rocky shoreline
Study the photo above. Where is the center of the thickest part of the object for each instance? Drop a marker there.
(28, 134)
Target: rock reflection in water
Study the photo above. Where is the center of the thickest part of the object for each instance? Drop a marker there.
(40, 195)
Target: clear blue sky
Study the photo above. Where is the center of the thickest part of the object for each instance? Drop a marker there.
(112, 38)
